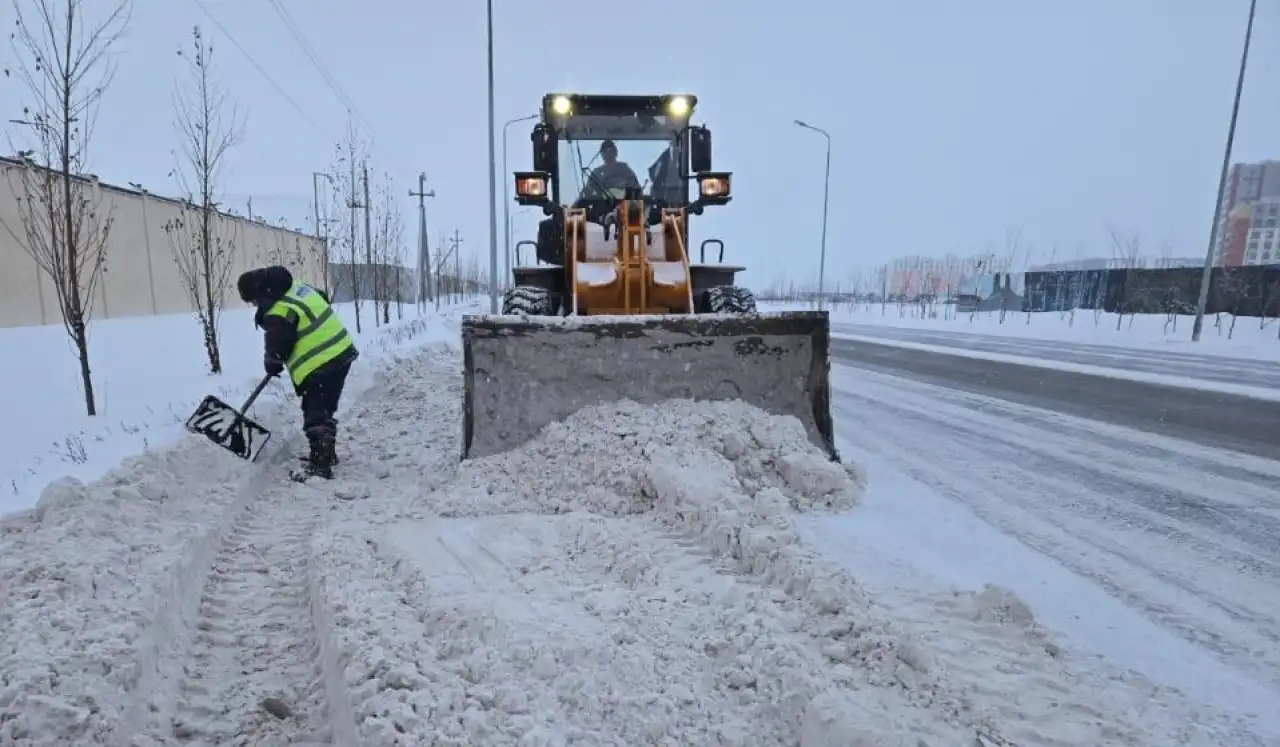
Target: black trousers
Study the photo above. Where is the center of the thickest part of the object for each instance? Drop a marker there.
(321, 392)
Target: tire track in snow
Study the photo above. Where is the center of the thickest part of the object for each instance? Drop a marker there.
(255, 639)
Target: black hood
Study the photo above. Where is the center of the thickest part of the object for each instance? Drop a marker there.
(263, 286)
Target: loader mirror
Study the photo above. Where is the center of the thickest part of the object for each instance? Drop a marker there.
(531, 187)
(699, 150)
(545, 155)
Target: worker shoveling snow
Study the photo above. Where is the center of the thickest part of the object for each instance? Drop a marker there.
(633, 576)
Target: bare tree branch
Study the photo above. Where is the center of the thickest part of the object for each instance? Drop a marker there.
(64, 224)
(203, 245)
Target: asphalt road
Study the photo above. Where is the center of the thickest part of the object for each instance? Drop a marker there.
(1224, 421)
(1242, 371)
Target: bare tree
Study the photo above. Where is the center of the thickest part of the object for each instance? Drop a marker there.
(1126, 250)
(1012, 248)
(203, 244)
(1236, 292)
(348, 226)
(388, 247)
(64, 223)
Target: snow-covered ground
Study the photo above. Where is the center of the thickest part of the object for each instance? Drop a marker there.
(1149, 552)
(699, 575)
(149, 374)
(1252, 339)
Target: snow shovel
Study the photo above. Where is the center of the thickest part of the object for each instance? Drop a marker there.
(228, 427)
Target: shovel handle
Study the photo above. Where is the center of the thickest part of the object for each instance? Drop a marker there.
(253, 396)
(249, 402)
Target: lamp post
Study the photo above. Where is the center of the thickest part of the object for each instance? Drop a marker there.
(826, 194)
(493, 186)
(1207, 277)
(506, 196)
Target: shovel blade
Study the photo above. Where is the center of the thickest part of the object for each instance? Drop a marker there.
(222, 424)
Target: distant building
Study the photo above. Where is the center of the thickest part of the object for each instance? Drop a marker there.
(1247, 216)
(950, 274)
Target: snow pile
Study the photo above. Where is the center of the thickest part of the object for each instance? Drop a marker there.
(624, 458)
(562, 563)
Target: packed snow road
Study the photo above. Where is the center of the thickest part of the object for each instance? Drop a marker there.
(1184, 532)
(1211, 419)
(632, 576)
(1182, 363)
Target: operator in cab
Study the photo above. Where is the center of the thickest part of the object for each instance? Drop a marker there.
(612, 174)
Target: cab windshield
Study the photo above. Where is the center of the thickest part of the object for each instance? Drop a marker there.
(585, 174)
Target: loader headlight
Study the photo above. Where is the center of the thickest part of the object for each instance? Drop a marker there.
(531, 185)
(678, 106)
(713, 185)
(561, 105)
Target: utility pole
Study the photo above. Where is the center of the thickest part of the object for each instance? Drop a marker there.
(355, 267)
(424, 249)
(1206, 278)
(456, 250)
(444, 257)
(368, 236)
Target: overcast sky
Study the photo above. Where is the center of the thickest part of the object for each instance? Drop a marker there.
(951, 122)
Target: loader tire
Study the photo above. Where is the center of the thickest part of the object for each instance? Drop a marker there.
(730, 299)
(529, 300)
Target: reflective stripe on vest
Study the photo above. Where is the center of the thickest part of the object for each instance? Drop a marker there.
(321, 334)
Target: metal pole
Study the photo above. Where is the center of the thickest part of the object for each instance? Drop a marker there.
(1218, 217)
(506, 198)
(826, 198)
(424, 248)
(493, 186)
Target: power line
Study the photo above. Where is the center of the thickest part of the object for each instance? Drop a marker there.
(296, 32)
(259, 68)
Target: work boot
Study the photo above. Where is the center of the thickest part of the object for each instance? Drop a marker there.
(319, 461)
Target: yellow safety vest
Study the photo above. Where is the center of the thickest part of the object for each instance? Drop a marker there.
(321, 334)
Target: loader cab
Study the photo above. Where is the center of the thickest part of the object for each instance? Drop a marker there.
(660, 152)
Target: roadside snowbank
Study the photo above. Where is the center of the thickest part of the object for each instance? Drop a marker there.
(149, 374)
(1253, 338)
(92, 576)
(635, 575)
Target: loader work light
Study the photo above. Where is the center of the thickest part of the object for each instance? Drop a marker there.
(713, 185)
(678, 106)
(532, 187)
(561, 105)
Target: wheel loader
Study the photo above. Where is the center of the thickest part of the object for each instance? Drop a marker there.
(613, 307)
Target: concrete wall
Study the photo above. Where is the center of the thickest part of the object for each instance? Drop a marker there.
(141, 277)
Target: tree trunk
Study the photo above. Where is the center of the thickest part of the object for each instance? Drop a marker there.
(80, 336)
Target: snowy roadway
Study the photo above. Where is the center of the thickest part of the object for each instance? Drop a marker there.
(694, 575)
(1085, 476)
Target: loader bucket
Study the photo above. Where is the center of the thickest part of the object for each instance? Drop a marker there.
(522, 373)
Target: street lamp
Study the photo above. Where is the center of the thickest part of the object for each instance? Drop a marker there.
(826, 193)
(493, 186)
(1207, 277)
(506, 196)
